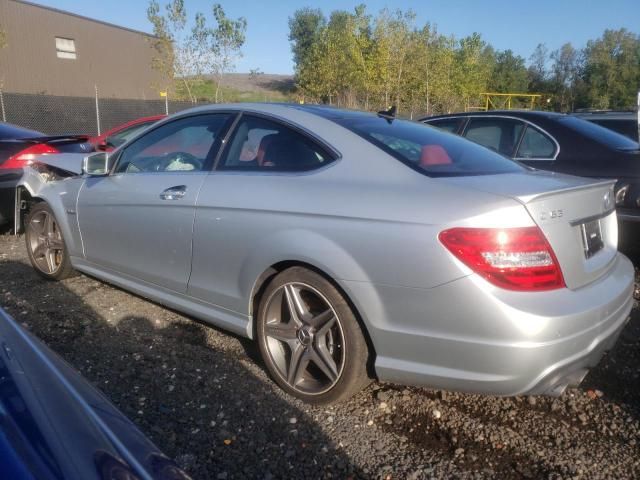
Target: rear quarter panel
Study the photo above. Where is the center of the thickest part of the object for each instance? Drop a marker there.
(365, 218)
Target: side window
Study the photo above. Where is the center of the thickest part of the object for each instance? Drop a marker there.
(499, 134)
(181, 145)
(450, 125)
(261, 144)
(536, 144)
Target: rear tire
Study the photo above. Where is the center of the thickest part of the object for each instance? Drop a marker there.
(46, 247)
(310, 339)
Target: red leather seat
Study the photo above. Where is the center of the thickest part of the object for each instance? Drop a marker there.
(264, 145)
(434, 155)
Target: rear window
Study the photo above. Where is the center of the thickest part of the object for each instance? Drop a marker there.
(628, 128)
(10, 132)
(600, 134)
(447, 124)
(428, 149)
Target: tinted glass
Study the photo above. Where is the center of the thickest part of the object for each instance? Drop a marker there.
(429, 150)
(599, 134)
(499, 134)
(8, 131)
(447, 124)
(536, 144)
(628, 128)
(261, 144)
(125, 134)
(181, 145)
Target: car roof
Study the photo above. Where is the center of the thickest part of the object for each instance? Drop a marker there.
(526, 114)
(606, 115)
(9, 131)
(275, 108)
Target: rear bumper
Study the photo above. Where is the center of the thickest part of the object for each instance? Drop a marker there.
(469, 336)
(573, 372)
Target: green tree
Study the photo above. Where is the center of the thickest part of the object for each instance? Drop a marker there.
(393, 33)
(509, 73)
(305, 29)
(611, 69)
(472, 69)
(565, 71)
(538, 69)
(374, 61)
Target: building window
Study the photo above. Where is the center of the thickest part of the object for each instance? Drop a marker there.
(66, 48)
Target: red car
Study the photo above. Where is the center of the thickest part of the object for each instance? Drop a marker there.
(115, 137)
(18, 148)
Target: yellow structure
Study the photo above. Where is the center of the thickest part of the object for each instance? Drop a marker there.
(505, 101)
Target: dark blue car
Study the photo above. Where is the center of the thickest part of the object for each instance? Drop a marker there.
(55, 425)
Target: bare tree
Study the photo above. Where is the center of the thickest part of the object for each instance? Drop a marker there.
(177, 50)
(226, 44)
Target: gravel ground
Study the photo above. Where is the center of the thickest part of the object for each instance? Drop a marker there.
(203, 397)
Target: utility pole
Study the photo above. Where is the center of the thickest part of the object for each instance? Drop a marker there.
(97, 110)
(166, 101)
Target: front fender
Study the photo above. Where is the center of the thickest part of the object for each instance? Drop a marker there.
(61, 196)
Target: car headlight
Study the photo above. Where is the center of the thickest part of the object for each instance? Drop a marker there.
(620, 195)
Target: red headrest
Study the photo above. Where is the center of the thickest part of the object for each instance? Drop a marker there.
(264, 144)
(434, 155)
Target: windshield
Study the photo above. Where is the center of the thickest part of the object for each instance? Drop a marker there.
(124, 135)
(600, 134)
(429, 149)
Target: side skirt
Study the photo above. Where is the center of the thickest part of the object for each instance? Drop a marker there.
(207, 312)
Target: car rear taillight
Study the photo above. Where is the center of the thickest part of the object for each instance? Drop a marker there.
(25, 157)
(511, 258)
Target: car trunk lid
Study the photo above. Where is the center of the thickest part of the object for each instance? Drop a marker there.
(577, 216)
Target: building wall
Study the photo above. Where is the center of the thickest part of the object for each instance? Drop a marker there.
(116, 60)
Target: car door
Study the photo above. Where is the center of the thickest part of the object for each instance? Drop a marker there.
(500, 134)
(243, 205)
(138, 221)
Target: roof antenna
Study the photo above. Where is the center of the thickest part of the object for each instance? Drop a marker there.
(388, 115)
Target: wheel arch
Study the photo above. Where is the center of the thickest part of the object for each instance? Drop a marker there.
(49, 193)
(25, 201)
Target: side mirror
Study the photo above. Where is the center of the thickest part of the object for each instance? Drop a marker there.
(103, 146)
(97, 164)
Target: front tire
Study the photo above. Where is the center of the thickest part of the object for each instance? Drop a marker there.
(310, 339)
(45, 245)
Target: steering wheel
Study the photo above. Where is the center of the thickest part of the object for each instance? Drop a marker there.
(178, 158)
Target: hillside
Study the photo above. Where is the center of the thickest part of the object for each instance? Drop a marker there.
(244, 87)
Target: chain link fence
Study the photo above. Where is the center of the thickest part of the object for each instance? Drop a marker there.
(56, 115)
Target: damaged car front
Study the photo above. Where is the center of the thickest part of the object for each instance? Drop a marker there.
(50, 176)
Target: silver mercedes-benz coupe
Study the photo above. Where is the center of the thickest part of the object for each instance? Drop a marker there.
(349, 245)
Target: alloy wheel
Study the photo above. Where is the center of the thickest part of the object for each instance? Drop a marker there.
(45, 242)
(304, 338)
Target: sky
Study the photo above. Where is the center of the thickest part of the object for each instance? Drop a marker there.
(518, 25)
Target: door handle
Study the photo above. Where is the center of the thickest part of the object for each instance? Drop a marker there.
(174, 193)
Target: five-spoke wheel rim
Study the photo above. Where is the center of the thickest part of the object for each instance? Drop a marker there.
(304, 338)
(45, 242)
